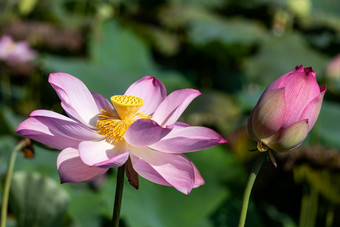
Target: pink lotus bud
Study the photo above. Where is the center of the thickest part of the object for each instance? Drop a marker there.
(287, 110)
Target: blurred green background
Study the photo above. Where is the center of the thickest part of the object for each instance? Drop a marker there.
(228, 49)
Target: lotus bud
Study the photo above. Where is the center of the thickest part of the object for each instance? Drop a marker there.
(287, 110)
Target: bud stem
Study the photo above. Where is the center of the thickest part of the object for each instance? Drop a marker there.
(7, 186)
(247, 191)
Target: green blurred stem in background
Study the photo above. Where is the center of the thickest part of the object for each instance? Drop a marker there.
(6, 88)
(7, 185)
(330, 216)
(247, 191)
(118, 196)
(309, 207)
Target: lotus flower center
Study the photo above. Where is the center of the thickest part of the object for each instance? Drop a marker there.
(113, 123)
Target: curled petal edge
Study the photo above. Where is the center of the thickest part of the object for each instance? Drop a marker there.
(312, 110)
(72, 170)
(145, 132)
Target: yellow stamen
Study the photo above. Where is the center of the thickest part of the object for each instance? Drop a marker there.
(113, 123)
(126, 105)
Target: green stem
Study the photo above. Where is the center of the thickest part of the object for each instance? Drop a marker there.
(248, 188)
(309, 207)
(6, 88)
(7, 185)
(330, 216)
(118, 196)
(304, 207)
(313, 208)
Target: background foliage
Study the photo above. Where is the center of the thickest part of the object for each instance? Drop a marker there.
(230, 50)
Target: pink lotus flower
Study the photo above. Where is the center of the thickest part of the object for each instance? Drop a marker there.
(15, 52)
(140, 128)
(287, 110)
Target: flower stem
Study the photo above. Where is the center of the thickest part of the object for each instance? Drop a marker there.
(248, 188)
(330, 216)
(309, 207)
(118, 196)
(8, 180)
